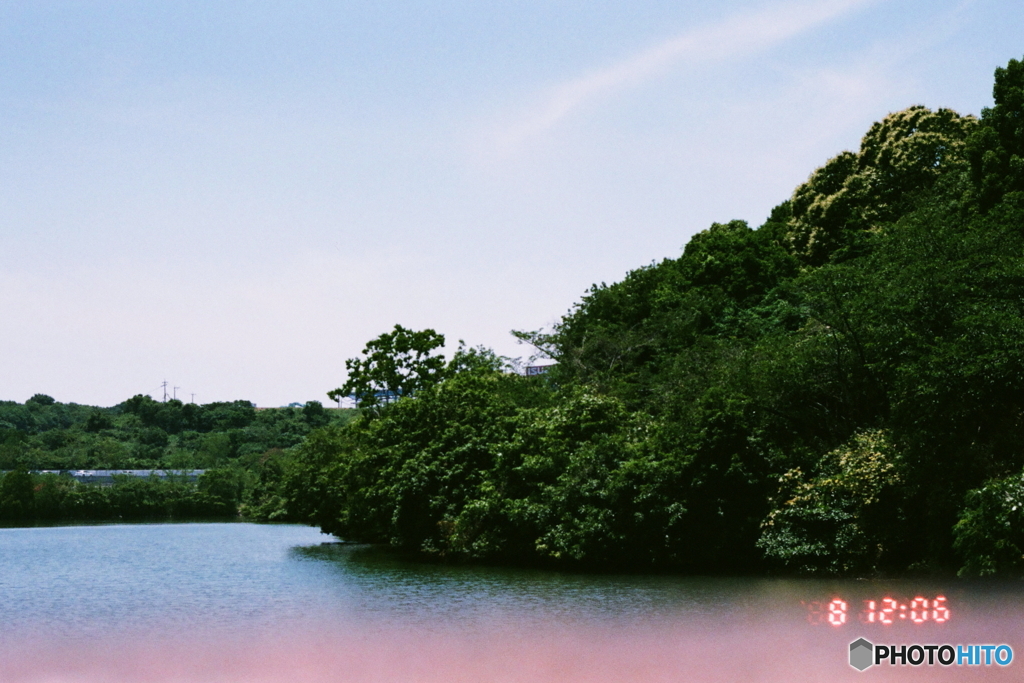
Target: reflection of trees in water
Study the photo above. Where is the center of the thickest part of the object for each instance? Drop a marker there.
(390, 582)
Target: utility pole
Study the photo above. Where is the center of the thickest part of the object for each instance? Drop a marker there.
(176, 393)
(193, 397)
(164, 385)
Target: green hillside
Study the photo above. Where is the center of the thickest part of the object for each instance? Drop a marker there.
(243, 451)
(838, 391)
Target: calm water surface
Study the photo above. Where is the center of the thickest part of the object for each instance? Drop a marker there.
(245, 602)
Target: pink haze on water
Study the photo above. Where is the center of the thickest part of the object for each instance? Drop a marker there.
(664, 651)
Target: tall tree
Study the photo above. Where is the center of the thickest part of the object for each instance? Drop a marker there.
(395, 364)
(996, 148)
(853, 194)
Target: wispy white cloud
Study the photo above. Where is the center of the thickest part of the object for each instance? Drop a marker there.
(736, 36)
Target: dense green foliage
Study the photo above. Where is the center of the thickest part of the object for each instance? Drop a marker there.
(244, 451)
(840, 390)
(26, 497)
(397, 363)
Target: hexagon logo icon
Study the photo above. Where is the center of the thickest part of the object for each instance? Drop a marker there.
(861, 654)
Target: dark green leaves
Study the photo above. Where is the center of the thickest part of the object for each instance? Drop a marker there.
(395, 364)
(996, 149)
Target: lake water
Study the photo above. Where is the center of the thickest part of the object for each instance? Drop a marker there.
(254, 603)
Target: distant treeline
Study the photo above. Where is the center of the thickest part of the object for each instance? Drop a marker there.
(243, 450)
(839, 391)
(29, 497)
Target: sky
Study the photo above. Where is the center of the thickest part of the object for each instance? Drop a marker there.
(235, 197)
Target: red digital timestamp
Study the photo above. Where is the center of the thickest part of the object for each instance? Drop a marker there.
(886, 611)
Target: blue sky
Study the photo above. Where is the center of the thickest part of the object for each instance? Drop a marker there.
(236, 196)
